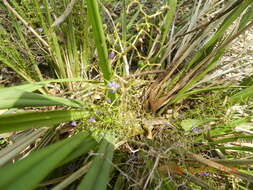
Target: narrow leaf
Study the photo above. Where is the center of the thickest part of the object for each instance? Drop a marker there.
(168, 19)
(243, 95)
(99, 36)
(12, 150)
(85, 147)
(22, 121)
(98, 175)
(16, 98)
(27, 173)
(37, 85)
(248, 16)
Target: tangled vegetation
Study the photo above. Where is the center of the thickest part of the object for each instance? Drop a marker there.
(124, 94)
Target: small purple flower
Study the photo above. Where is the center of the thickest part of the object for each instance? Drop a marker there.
(111, 55)
(205, 174)
(73, 124)
(98, 112)
(109, 101)
(195, 129)
(113, 86)
(92, 120)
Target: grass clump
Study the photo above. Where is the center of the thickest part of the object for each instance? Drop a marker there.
(134, 105)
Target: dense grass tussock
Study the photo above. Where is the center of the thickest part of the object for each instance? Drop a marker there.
(124, 95)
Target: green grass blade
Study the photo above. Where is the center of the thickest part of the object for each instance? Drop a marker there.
(124, 23)
(40, 15)
(243, 95)
(203, 52)
(132, 20)
(167, 185)
(22, 121)
(99, 36)
(247, 81)
(37, 85)
(27, 173)
(225, 129)
(16, 98)
(82, 149)
(98, 175)
(248, 16)
(204, 58)
(231, 139)
(30, 56)
(55, 48)
(10, 56)
(12, 150)
(30, 87)
(168, 19)
(239, 148)
(119, 184)
(182, 93)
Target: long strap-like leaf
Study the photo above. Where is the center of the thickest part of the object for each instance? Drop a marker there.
(22, 121)
(99, 36)
(16, 98)
(98, 175)
(27, 173)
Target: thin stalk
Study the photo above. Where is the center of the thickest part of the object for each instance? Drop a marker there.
(99, 36)
(121, 45)
(124, 37)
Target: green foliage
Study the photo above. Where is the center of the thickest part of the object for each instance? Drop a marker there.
(205, 55)
(38, 85)
(243, 95)
(15, 98)
(168, 21)
(11, 56)
(99, 36)
(27, 120)
(98, 175)
(71, 40)
(248, 81)
(247, 17)
(181, 76)
(70, 48)
(189, 124)
(20, 176)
